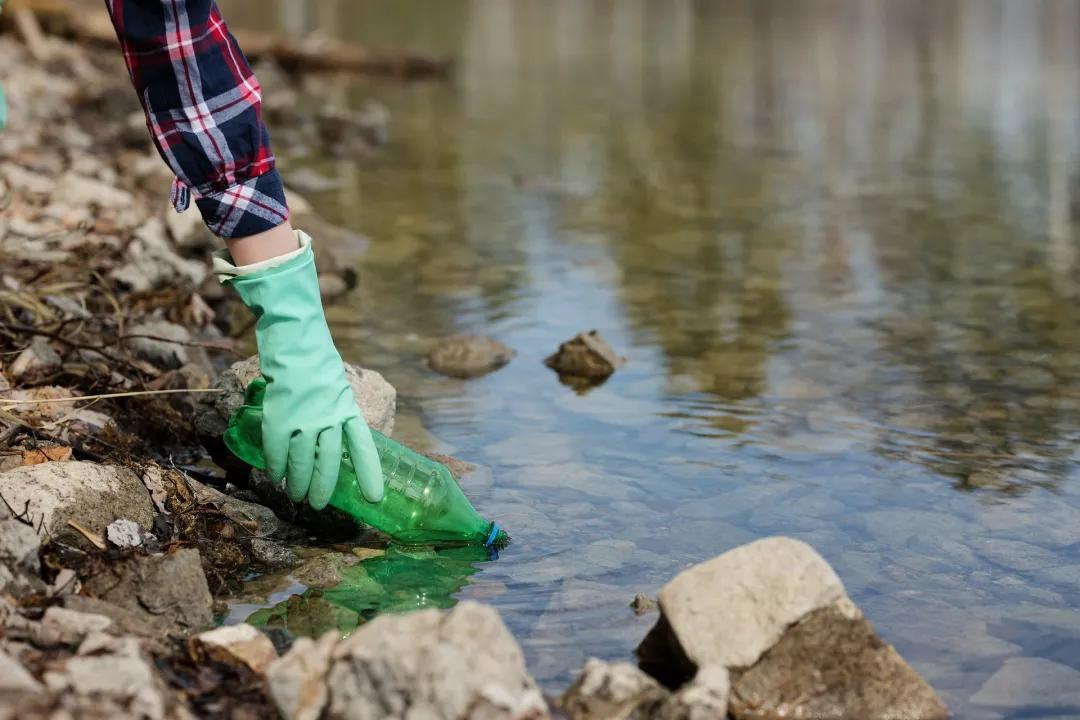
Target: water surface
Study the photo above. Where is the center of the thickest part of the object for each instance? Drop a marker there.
(836, 242)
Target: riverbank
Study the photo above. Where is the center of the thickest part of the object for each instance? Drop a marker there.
(115, 546)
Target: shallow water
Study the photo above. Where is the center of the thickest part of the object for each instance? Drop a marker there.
(837, 243)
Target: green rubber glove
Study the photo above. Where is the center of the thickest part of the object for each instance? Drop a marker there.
(309, 406)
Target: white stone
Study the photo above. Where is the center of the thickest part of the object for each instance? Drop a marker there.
(610, 690)
(124, 534)
(19, 544)
(90, 494)
(80, 190)
(729, 610)
(187, 229)
(429, 664)
(297, 680)
(237, 644)
(14, 677)
(73, 624)
(703, 698)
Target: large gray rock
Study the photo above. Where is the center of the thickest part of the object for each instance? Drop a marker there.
(168, 587)
(375, 396)
(729, 610)
(91, 495)
(832, 664)
(777, 618)
(440, 665)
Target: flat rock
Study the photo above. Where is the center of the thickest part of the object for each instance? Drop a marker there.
(124, 620)
(833, 664)
(39, 356)
(469, 356)
(159, 342)
(452, 665)
(235, 645)
(729, 610)
(170, 586)
(375, 396)
(81, 190)
(586, 355)
(1026, 682)
(19, 544)
(14, 678)
(87, 493)
(71, 625)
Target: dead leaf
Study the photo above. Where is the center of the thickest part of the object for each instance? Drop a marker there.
(36, 456)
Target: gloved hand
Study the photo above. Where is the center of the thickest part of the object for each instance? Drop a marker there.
(309, 407)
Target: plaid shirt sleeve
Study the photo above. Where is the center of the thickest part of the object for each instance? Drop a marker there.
(203, 109)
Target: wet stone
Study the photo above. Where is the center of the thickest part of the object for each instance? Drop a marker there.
(587, 355)
(469, 356)
(272, 554)
(831, 664)
(643, 604)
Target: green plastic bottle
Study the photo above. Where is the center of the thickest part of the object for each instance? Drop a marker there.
(423, 504)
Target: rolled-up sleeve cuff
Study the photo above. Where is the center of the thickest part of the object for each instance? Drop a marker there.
(248, 208)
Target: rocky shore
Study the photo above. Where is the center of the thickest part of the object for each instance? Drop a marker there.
(115, 544)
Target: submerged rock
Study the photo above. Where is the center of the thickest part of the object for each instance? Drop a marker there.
(587, 356)
(1026, 682)
(375, 396)
(453, 665)
(469, 356)
(642, 604)
(776, 616)
(91, 495)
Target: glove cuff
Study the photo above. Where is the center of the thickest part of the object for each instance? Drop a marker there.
(225, 270)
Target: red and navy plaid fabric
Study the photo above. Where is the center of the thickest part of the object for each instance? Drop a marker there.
(203, 109)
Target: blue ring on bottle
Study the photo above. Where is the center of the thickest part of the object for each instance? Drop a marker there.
(492, 535)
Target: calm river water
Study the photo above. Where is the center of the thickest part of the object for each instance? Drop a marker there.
(838, 244)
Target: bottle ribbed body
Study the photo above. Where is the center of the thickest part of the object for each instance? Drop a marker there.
(423, 504)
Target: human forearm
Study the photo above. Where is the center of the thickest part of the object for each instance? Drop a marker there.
(203, 109)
